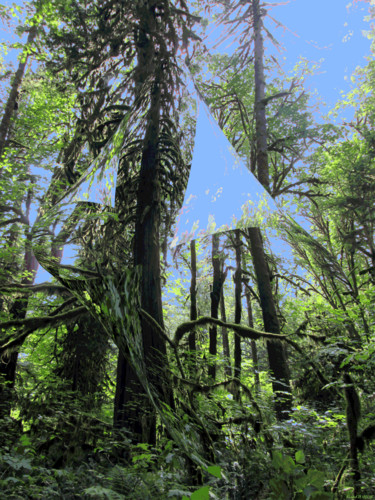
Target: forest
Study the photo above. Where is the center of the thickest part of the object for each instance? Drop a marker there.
(237, 364)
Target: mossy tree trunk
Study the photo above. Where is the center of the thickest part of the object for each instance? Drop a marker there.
(132, 407)
(276, 351)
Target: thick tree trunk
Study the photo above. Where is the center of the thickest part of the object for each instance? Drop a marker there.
(8, 366)
(8, 362)
(13, 97)
(132, 407)
(131, 401)
(275, 349)
(215, 301)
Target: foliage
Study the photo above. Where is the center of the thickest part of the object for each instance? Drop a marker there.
(220, 436)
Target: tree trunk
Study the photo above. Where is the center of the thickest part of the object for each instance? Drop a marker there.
(13, 96)
(224, 333)
(215, 301)
(237, 307)
(254, 350)
(193, 294)
(8, 362)
(276, 352)
(275, 349)
(131, 401)
(260, 107)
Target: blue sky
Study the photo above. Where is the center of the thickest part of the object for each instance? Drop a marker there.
(317, 29)
(335, 40)
(321, 29)
(329, 30)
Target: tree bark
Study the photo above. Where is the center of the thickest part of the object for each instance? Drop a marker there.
(193, 294)
(13, 96)
(260, 106)
(8, 362)
(238, 304)
(215, 301)
(131, 401)
(275, 349)
(237, 307)
(254, 350)
(224, 333)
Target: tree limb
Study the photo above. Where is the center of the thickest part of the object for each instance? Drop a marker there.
(242, 330)
(41, 287)
(33, 324)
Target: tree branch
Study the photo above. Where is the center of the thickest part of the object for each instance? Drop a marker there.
(33, 324)
(50, 288)
(242, 330)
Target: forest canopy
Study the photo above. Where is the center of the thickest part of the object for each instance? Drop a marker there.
(232, 363)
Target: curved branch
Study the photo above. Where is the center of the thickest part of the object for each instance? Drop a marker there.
(33, 324)
(244, 331)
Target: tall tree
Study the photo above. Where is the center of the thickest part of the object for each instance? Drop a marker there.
(276, 350)
(12, 104)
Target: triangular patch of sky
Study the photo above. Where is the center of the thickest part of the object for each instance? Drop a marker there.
(222, 194)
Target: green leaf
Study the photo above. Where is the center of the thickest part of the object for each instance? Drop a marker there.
(215, 470)
(25, 440)
(280, 488)
(201, 494)
(320, 495)
(178, 493)
(277, 459)
(300, 457)
(143, 446)
(288, 465)
(143, 456)
(316, 478)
